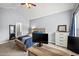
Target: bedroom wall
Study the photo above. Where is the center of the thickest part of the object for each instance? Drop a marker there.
(12, 16)
(51, 22)
(13, 13)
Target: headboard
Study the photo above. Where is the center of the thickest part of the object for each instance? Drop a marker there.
(38, 30)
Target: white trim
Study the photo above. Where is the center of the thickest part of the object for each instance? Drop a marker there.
(4, 42)
(75, 26)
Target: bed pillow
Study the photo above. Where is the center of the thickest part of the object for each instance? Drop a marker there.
(20, 38)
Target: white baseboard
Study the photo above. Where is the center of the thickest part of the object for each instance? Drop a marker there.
(4, 41)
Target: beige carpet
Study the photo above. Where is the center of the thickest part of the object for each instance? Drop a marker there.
(10, 49)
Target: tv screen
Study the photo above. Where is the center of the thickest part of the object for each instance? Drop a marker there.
(73, 44)
(40, 37)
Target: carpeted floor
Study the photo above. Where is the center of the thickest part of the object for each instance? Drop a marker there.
(10, 49)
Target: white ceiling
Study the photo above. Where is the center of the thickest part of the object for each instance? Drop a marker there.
(45, 9)
(42, 9)
(9, 5)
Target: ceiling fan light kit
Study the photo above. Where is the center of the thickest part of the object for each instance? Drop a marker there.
(28, 5)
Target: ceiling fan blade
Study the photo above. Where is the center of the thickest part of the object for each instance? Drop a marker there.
(32, 4)
(23, 3)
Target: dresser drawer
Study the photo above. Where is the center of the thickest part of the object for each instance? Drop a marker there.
(61, 39)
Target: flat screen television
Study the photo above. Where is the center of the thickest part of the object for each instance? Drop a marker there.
(73, 44)
(40, 38)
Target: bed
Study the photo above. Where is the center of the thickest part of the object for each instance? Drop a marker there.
(23, 41)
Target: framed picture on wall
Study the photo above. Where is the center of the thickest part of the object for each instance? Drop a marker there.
(62, 28)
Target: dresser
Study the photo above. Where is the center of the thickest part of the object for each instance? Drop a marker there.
(61, 38)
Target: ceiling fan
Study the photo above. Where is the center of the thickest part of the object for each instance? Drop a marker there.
(28, 5)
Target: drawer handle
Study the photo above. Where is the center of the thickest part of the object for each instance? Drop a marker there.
(61, 34)
(61, 37)
(61, 40)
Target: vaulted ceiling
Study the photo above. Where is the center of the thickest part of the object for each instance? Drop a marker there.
(42, 9)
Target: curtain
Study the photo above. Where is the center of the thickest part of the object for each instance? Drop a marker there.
(73, 24)
(72, 29)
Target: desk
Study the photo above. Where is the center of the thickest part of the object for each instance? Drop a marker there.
(49, 50)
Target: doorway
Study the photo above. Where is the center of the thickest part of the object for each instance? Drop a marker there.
(11, 32)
